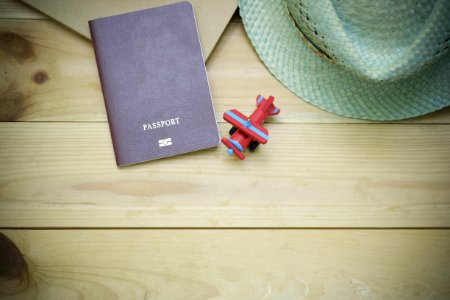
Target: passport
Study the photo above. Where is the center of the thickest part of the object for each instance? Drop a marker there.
(154, 83)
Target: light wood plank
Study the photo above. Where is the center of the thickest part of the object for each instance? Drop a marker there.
(58, 81)
(14, 9)
(360, 175)
(235, 264)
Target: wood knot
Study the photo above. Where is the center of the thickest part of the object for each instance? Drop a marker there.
(16, 46)
(14, 275)
(40, 77)
(11, 104)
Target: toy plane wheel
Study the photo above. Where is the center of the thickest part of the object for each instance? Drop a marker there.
(253, 145)
(233, 130)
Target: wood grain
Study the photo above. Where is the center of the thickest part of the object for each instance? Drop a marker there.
(71, 91)
(235, 264)
(347, 175)
(59, 172)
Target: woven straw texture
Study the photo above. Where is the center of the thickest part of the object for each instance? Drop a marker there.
(359, 73)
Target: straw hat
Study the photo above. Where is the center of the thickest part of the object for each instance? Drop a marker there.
(378, 60)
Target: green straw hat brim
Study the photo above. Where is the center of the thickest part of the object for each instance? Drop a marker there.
(333, 88)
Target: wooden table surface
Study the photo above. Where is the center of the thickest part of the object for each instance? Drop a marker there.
(331, 207)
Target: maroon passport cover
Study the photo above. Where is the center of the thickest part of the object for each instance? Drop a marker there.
(154, 83)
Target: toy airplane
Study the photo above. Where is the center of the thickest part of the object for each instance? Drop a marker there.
(248, 131)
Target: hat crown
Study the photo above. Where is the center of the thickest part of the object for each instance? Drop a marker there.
(379, 40)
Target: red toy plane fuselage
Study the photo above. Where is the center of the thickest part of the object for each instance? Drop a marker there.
(247, 130)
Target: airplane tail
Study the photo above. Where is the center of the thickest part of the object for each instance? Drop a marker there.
(274, 111)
